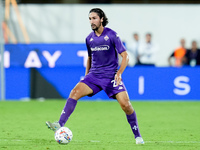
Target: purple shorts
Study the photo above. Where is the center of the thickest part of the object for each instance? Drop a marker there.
(108, 85)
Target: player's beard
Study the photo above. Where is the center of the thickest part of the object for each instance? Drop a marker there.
(95, 27)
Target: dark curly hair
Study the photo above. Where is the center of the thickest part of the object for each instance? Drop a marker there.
(101, 14)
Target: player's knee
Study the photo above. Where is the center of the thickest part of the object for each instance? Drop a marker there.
(127, 107)
(75, 93)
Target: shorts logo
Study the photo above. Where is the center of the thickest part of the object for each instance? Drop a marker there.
(100, 48)
(106, 38)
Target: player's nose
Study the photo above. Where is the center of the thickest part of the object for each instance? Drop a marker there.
(91, 21)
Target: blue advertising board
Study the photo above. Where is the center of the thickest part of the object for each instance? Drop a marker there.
(142, 83)
(44, 55)
(62, 65)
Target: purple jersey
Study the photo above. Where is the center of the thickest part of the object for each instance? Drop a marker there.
(104, 52)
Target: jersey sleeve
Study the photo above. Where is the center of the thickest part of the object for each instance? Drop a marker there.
(88, 48)
(118, 44)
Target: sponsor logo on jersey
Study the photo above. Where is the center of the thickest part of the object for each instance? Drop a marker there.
(91, 39)
(106, 38)
(100, 48)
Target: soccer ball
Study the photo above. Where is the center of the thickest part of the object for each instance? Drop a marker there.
(63, 135)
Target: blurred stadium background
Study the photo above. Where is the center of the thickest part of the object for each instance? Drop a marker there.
(43, 49)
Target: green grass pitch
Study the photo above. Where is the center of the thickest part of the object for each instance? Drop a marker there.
(101, 125)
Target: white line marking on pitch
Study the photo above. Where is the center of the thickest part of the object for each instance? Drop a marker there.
(96, 141)
(14, 140)
(172, 141)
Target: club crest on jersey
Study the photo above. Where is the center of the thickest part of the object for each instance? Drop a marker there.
(91, 39)
(106, 38)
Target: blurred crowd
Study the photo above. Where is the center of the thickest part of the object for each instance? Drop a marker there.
(183, 56)
(144, 53)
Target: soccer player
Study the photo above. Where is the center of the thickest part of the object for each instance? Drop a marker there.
(103, 45)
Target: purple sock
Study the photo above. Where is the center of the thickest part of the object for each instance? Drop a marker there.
(132, 120)
(67, 111)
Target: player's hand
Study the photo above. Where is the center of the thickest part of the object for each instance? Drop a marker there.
(118, 78)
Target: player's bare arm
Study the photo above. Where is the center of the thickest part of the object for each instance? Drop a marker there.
(88, 65)
(124, 63)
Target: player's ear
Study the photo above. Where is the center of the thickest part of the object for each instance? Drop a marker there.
(101, 19)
